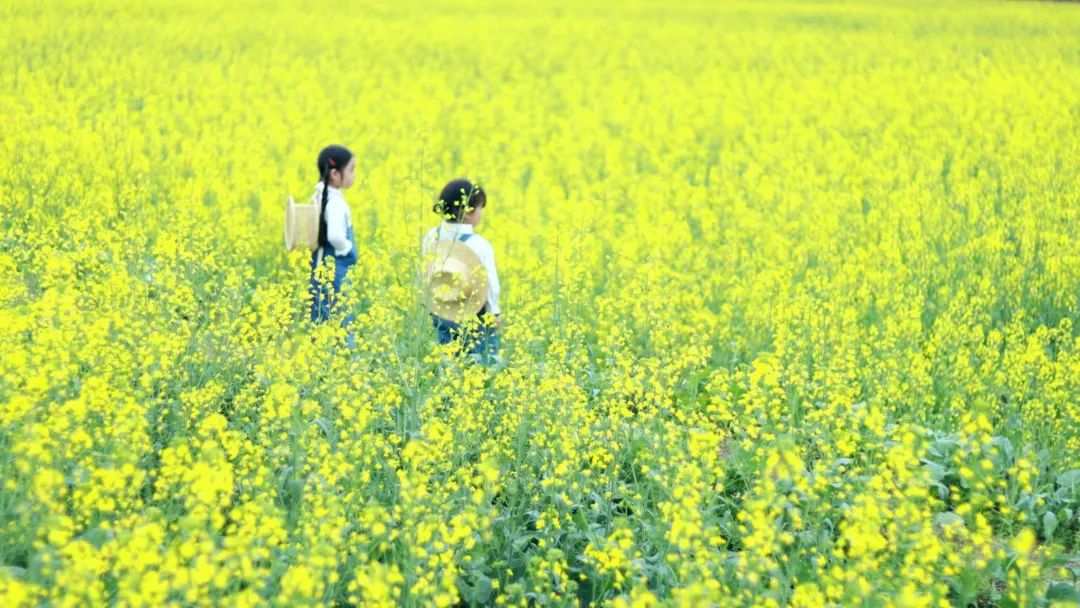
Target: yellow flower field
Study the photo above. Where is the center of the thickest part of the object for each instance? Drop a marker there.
(791, 303)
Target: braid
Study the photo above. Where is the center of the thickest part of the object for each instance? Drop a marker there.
(331, 157)
(322, 213)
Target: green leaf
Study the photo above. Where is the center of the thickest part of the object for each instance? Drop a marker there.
(480, 592)
(1062, 560)
(580, 521)
(1050, 523)
(947, 518)
(1070, 478)
(97, 537)
(1063, 592)
(1004, 445)
(937, 472)
(519, 543)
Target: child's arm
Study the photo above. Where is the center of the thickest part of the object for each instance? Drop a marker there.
(428, 242)
(488, 259)
(336, 228)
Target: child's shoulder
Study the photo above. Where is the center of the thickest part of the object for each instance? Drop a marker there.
(481, 244)
(333, 196)
(430, 239)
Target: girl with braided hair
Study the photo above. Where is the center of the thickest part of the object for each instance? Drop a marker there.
(337, 172)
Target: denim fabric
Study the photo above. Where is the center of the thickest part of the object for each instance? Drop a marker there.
(482, 342)
(322, 301)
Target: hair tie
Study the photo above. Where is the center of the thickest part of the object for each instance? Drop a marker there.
(330, 162)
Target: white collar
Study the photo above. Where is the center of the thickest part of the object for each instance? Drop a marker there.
(456, 228)
(329, 188)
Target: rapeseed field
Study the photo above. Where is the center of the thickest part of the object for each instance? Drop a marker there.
(790, 305)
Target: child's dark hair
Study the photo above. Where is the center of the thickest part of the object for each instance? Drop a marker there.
(457, 197)
(331, 157)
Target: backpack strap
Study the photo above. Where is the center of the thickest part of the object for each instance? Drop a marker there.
(461, 237)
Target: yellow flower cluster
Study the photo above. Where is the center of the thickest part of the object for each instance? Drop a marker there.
(790, 296)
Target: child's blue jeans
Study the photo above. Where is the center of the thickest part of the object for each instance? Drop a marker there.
(481, 341)
(323, 299)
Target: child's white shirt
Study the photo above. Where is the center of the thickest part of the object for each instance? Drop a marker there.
(483, 250)
(338, 219)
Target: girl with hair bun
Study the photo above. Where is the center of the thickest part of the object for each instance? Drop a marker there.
(474, 324)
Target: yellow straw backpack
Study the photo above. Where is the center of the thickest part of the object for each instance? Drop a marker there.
(302, 225)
